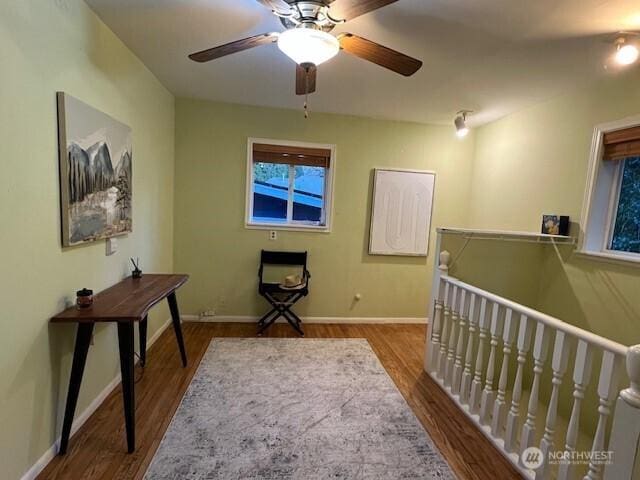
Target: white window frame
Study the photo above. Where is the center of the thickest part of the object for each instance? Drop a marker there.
(601, 198)
(292, 225)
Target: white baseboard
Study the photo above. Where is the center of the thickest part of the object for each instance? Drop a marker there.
(308, 320)
(44, 460)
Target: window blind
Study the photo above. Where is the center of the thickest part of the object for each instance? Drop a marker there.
(622, 144)
(310, 157)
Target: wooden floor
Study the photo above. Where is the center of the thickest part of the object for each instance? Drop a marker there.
(97, 450)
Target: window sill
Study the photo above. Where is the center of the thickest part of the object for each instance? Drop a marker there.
(288, 227)
(608, 257)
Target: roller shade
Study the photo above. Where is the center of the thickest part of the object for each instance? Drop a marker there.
(622, 144)
(310, 157)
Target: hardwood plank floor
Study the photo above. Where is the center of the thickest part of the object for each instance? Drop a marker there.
(98, 449)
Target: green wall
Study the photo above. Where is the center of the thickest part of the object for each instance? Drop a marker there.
(47, 46)
(534, 162)
(503, 176)
(213, 245)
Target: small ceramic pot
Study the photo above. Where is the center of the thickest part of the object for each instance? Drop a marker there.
(84, 298)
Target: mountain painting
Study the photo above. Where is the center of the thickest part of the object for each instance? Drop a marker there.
(95, 173)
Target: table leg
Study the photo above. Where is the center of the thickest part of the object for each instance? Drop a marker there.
(175, 317)
(125, 342)
(143, 341)
(83, 340)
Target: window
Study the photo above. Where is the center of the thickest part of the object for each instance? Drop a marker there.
(626, 226)
(289, 185)
(611, 215)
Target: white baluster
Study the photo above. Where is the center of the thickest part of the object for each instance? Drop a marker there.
(540, 348)
(488, 394)
(435, 333)
(559, 362)
(476, 383)
(462, 324)
(607, 388)
(499, 407)
(444, 338)
(581, 375)
(625, 432)
(524, 342)
(467, 374)
(451, 350)
(435, 324)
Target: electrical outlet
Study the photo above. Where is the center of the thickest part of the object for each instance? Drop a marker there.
(208, 313)
(273, 235)
(111, 246)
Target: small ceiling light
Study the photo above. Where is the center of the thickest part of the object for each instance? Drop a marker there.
(461, 123)
(626, 53)
(308, 45)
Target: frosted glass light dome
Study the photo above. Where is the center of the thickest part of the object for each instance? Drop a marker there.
(306, 45)
(627, 54)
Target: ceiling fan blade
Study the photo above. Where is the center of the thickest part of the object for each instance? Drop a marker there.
(383, 56)
(279, 6)
(306, 79)
(233, 47)
(350, 9)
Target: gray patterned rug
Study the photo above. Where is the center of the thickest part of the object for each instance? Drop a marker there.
(294, 409)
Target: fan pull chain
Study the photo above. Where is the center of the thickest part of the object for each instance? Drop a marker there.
(306, 109)
(306, 93)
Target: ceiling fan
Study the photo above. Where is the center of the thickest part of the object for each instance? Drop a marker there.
(308, 42)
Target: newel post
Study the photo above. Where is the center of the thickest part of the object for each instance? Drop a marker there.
(625, 432)
(432, 344)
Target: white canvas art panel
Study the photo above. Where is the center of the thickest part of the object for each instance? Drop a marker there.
(401, 212)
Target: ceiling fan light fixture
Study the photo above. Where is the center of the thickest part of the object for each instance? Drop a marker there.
(461, 123)
(308, 45)
(627, 52)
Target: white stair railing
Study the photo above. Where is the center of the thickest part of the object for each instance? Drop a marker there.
(581, 375)
(472, 327)
(559, 366)
(500, 405)
(467, 373)
(462, 324)
(513, 416)
(625, 432)
(540, 348)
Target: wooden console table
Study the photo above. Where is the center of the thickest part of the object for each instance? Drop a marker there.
(125, 303)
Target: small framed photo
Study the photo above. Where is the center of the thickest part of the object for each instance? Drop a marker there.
(555, 225)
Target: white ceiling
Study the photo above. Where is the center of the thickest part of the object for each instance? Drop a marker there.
(491, 56)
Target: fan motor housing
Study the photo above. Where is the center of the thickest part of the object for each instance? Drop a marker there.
(309, 14)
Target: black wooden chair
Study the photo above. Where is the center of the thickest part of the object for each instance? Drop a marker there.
(279, 297)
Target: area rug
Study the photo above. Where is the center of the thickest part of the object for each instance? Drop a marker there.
(294, 409)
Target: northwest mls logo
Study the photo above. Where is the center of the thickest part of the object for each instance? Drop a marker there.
(532, 458)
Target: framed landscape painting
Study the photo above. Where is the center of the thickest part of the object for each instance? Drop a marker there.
(95, 173)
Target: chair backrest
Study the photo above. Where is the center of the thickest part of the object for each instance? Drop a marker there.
(283, 258)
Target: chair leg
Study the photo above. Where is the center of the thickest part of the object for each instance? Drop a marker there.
(294, 321)
(293, 317)
(271, 321)
(266, 316)
(281, 308)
